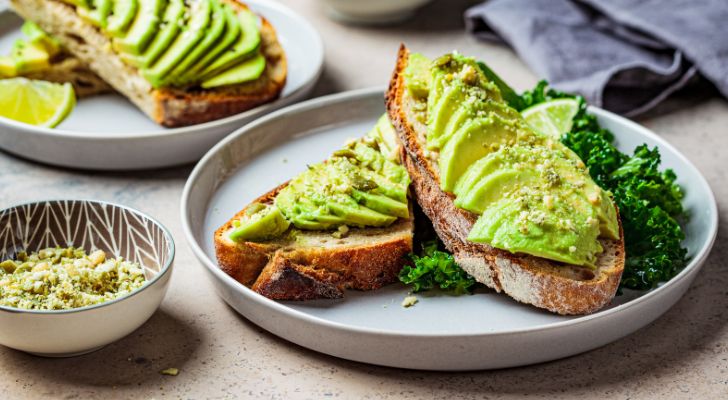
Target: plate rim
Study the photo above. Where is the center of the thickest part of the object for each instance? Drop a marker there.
(190, 129)
(693, 266)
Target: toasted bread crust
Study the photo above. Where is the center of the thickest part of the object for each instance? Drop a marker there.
(167, 106)
(309, 264)
(559, 288)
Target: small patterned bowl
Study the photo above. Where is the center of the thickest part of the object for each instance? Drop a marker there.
(115, 229)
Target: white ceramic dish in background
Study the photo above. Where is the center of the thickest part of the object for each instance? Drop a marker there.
(115, 229)
(372, 12)
(486, 330)
(107, 132)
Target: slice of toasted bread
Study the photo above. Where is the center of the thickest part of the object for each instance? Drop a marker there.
(304, 265)
(166, 106)
(557, 287)
(67, 68)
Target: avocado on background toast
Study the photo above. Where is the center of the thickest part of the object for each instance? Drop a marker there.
(222, 61)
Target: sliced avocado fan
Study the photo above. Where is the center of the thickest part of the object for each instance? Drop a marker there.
(358, 186)
(180, 43)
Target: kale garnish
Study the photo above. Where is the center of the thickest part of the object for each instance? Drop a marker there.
(435, 268)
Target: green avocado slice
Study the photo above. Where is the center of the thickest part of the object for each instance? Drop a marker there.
(452, 100)
(261, 223)
(99, 14)
(172, 20)
(246, 71)
(158, 73)
(122, 15)
(418, 76)
(382, 204)
(244, 48)
(470, 143)
(232, 32)
(491, 187)
(480, 168)
(212, 36)
(28, 57)
(37, 36)
(357, 215)
(143, 29)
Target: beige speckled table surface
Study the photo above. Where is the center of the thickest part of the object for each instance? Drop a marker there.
(684, 354)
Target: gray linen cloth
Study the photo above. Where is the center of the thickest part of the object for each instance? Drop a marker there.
(623, 55)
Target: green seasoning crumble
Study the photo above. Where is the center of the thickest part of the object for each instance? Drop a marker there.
(62, 279)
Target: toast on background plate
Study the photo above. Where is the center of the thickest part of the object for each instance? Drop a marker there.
(69, 69)
(553, 285)
(181, 63)
(342, 224)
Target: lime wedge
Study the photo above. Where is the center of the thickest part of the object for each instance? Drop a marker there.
(552, 118)
(34, 102)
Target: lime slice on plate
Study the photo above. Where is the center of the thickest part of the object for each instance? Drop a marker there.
(38, 103)
(552, 118)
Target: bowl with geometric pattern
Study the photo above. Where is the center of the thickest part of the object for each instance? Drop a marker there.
(117, 231)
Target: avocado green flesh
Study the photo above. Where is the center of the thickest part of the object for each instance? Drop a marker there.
(232, 32)
(98, 14)
(28, 56)
(246, 71)
(38, 37)
(473, 141)
(381, 203)
(158, 74)
(143, 29)
(489, 189)
(195, 43)
(383, 132)
(211, 37)
(244, 48)
(503, 225)
(170, 27)
(534, 196)
(358, 186)
(122, 15)
(417, 75)
(263, 223)
(341, 188)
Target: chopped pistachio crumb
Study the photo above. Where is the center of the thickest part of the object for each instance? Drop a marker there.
(341, 232)
(409, 301)
(170, 371)
(66, 278)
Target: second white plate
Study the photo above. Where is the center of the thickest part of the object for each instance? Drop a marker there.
(441, 332)
(107, 132)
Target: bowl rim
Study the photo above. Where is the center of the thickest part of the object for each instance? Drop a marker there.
(162, 272)
(247, 294)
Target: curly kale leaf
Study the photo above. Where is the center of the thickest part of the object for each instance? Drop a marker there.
(648, 199)
(435, 268)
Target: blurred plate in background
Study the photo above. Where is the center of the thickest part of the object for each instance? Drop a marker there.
(107, 132)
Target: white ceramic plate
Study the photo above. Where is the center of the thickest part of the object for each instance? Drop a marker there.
(108, 132)
(486, 330)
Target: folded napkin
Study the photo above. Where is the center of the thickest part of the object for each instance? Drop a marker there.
(623, 55)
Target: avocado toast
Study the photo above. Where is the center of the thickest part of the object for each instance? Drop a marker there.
(344, 223)
(180, 62)
(475, 166)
